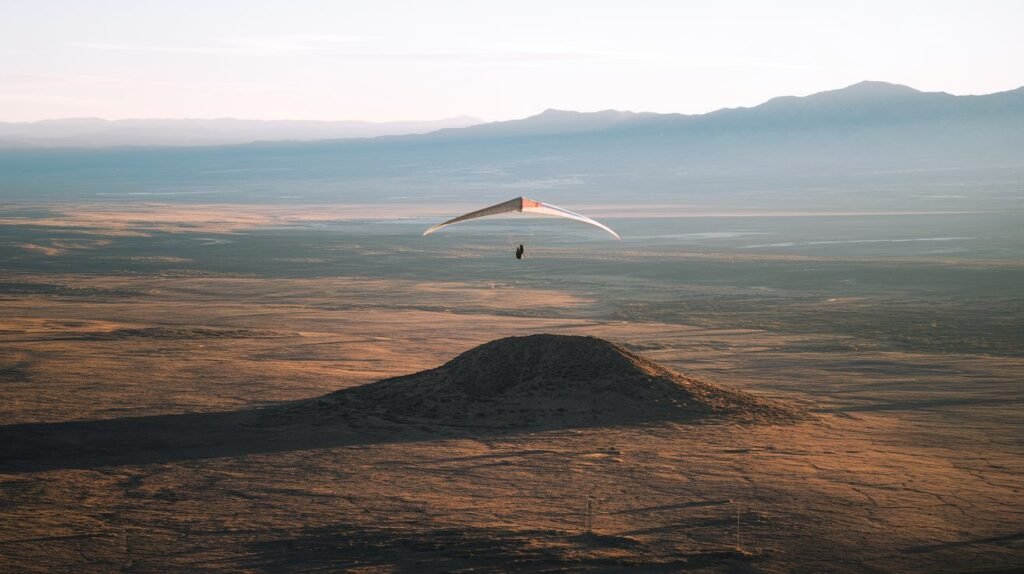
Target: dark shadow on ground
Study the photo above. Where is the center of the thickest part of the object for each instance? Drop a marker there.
(345, 548)
(1007, 538)
(36, 447)
(170, 438)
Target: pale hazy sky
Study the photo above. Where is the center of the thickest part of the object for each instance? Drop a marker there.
(392, 60)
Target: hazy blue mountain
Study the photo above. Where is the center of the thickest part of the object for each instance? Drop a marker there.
(864, 127)
(95, 132)
(548, 122)
(870, 143)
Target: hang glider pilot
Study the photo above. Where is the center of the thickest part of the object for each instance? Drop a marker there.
(525, 206)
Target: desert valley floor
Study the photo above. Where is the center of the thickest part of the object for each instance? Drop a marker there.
(131, 435)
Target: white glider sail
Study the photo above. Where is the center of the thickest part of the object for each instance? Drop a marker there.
(526, 206)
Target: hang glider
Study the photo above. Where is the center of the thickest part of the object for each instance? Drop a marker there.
(525, 206)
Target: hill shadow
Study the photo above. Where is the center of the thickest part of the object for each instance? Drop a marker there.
(36, 447)
(342, 547)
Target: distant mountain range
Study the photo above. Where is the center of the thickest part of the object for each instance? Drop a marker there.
(858, 111)
(869, 139)
(95, 132)
(861, 105)
(869, 127)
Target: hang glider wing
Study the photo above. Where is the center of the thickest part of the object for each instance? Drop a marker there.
(504, 207)
(526, 206)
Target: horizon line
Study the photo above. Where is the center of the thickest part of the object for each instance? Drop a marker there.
(481, 120)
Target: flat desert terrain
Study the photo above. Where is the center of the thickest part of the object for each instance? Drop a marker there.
(158, 409)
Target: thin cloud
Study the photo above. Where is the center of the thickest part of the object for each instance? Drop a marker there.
(29, 81)
(37, 98)
(242, 46)
(289, 43)
(341, 46)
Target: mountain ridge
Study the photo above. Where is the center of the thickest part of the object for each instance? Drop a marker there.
(861, 131)
(888, 101)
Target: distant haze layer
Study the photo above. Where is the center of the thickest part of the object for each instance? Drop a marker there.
(871, 145)
(95, 132)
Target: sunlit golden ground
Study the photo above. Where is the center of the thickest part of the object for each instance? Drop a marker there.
(912, 462)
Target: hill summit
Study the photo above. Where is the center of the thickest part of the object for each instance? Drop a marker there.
(552, 380)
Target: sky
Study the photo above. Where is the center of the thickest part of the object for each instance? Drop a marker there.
(382, 60)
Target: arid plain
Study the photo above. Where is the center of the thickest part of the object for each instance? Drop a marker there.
(140, 351)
